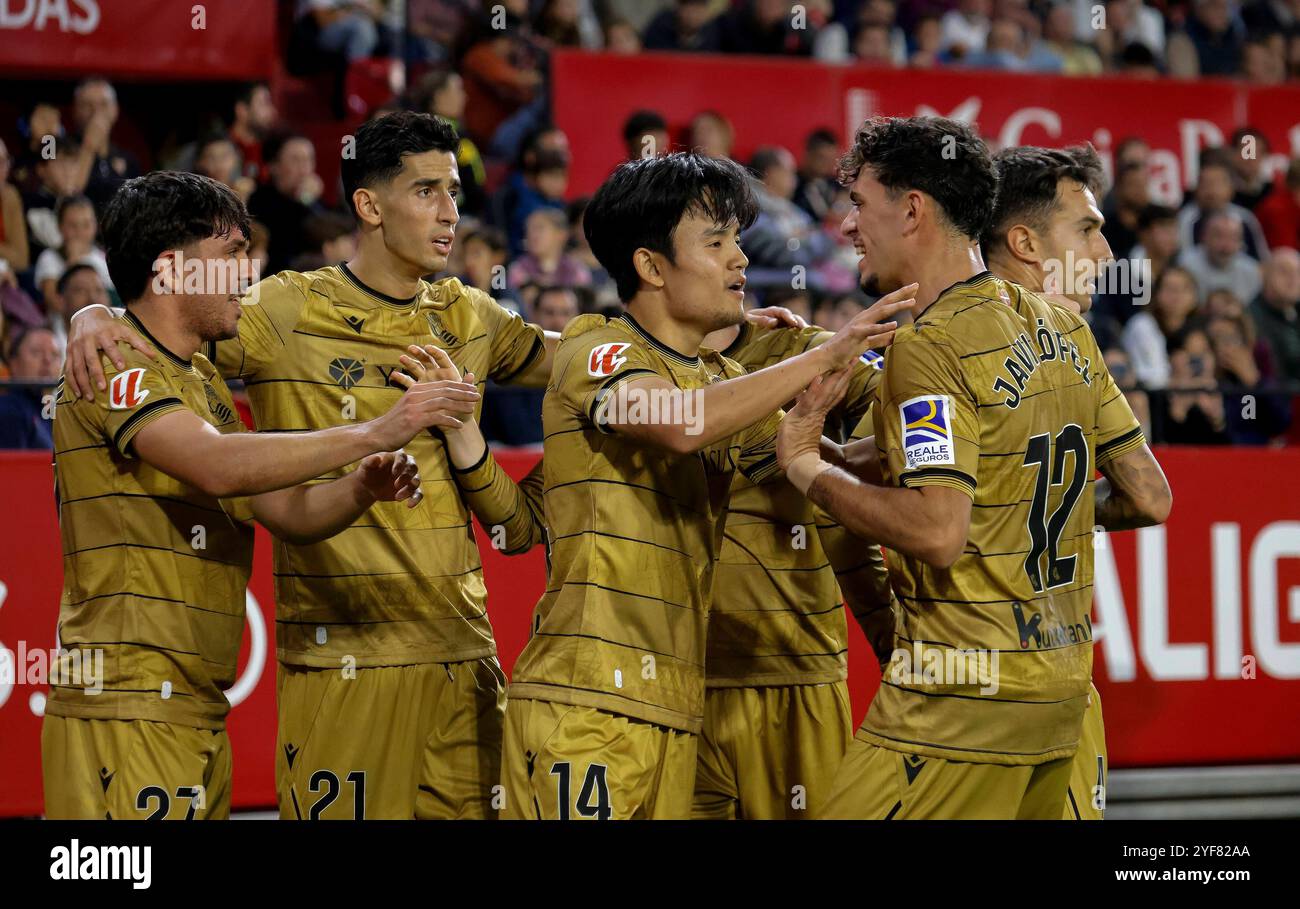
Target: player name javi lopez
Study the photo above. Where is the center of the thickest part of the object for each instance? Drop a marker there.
(1047, 346)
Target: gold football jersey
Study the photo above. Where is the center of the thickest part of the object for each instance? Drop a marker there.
(998, 394)
(401, 585)
(776, 615)
(634, 530)
(154, 572)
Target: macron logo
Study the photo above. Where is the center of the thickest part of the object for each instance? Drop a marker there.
(103, 863)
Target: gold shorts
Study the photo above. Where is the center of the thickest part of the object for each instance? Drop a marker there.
(1086, 797)
(394, 742)
(562, 762)
(772, 752)
(133, 770)
(875, 783)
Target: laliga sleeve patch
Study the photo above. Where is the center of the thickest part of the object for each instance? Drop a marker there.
(873, 359)
(927, 431)
(126, 391)
(606, 359)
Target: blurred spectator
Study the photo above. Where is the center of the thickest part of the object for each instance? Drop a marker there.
(965, 30)
(545, 180)
(689, 26)
(95, 111)
(346, 28)
(218, 157)
(1150, 335)
(1124, 208)
(259, 242)
(1224, 304)
(1077, 58)
(1210, 42)
(1263, 62)
(545, 262)
(442, 94)
(14, 250)
(1121, 370)
(833, 312)
(604, 293)
(711, 134)
(484, 258)
(1218, 261)
(798, 302)
(1254, 415)
(1129, 23)
(62, 174)
(762, 27)
(81, 286)
(1008, 47)
(784, 235)
(622, 38)
(1213, 194)
(884, 14)
(43, 120)
(253, 117)
(1137, 61)
(1279, 213)
(1248, 149)
(871, 45)
(1277, 313)
(555, 306)
(818, 174)
(288, 198)
(77, 230)
(1196, 415)
(645, 135)
(927, 42)
(569, 23)
(503, 73)
(35, 355)
(330, 238)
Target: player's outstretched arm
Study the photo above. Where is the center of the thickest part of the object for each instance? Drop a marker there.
(310, 512)
(1132, 492)
(511, 512)
(725, 408)
(183, 446)
(930, 523)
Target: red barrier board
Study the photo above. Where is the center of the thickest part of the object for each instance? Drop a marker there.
(1197, 623)
(233, 39)
(779, 101)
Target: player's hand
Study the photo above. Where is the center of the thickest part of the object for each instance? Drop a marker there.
(801, 428)
(869, 328)
(391, 476)
(89, 335)
(432, 364)
(775, 317)
(439, 402)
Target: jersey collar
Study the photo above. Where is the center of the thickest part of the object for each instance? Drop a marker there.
(969, 282)
(367, 289)
(658, 345)
(139, 326)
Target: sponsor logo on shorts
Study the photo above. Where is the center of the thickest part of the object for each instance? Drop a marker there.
(927, 431)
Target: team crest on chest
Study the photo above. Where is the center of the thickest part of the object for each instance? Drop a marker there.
(216, 406)
(440, 331)
(346, 371)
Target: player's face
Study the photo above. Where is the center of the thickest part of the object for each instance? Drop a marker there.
(418, 211)
(875, 223)
(1074, 237)
(213, 313)
(705, 285)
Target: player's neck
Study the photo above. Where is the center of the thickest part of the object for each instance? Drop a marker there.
(1017, 272)
(722, 338)
(655, 319)
(162, 322)
(937, 272)
(382, 273)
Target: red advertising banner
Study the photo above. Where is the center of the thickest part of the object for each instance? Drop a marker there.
(1197, 624)
(232, 39)
(780, 101)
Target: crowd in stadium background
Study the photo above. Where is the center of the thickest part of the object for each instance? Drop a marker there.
(1212, 358)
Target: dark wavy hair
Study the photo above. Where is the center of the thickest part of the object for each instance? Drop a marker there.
(161, 211)
(944, 159)
(383, 142)
(643, 201)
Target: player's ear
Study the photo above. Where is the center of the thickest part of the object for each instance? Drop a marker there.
(1023, 244)
(366, 205)
(915, 207)
(167, 277)
(647, 265)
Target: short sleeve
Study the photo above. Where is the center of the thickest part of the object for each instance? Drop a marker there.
(758, 449)
(515, 344)
(137, 395)
(927, 420)
(1118, 431)
(268, 314)
(595, 367)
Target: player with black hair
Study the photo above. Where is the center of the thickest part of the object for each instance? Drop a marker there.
(993, 412)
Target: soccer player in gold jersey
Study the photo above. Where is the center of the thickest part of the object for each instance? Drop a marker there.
(993, 412)
(390, 696)
(644, 433)
(157, 484)
(1046, 234)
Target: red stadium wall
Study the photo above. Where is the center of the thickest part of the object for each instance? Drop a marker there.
(779, 101)
(1197, 623)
